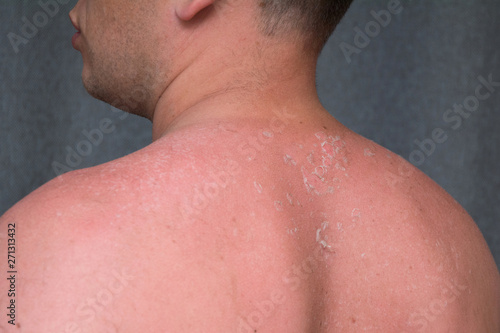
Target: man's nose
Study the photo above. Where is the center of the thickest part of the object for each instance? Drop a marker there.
(73, 16)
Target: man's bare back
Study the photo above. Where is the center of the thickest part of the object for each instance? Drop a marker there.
(291, 225)
(253, 210)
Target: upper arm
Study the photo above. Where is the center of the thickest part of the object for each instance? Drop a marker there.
(66, 277)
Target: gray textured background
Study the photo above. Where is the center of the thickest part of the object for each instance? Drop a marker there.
(393, 91)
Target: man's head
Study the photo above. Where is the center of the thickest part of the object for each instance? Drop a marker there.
(119, 46)
(314, 20)
(139, 47)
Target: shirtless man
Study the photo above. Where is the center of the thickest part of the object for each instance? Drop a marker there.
(253, 210)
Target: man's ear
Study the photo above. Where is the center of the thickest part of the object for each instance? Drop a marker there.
(187, 9)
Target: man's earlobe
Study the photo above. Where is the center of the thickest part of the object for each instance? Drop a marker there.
(188, 9)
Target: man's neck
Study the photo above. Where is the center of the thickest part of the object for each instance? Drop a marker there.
(241, 87)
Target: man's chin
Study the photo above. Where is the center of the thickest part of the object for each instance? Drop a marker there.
(129, 100)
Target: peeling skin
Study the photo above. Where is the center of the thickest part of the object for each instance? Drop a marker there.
(332, 154)
(200, 214)
(289, 204)
(368, 152)
(258, 187)
(322, 239)
(289, 160)
(356, 214)
(268, 134)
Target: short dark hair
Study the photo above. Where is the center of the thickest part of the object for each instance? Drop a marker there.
(315, 19)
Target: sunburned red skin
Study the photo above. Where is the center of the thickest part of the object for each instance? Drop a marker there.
(203, 232)
(253, 210)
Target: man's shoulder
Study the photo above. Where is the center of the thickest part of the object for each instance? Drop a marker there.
(74, 235)
(159, 173)
(412, 242)
(399, 198)
(77, 194)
